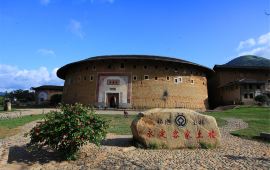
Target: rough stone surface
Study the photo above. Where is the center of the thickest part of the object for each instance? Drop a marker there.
(175, 128)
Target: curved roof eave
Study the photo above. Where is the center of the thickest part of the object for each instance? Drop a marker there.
(62, 70)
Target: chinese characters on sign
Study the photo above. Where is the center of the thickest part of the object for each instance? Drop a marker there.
(181, 121)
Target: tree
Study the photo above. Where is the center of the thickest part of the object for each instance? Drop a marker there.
(55, 99)
(21, 95)
(261, 99)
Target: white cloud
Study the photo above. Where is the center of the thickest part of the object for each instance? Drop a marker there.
(76, 28)
(256, 46)
(46, 52)
(264, 39)
(44, 2)
(12, 77)
(247, 43)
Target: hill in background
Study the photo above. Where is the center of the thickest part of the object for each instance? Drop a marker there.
(249, 60)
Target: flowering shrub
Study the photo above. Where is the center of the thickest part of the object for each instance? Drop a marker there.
(67, 130)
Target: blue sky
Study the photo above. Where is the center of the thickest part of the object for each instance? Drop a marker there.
(39, 36)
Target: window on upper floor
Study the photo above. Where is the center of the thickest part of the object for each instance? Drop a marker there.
(122, 65)
(146, 77)
(167, 78)
(177, 80)
(91, 77)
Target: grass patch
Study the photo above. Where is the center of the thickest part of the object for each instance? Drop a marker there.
(10, 127)
(119, 124)
(258, 119)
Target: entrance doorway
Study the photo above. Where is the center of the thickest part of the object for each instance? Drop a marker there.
(113, 100)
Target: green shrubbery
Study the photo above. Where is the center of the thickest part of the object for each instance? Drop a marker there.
(56, 99)
(261, 99)
(66, 131)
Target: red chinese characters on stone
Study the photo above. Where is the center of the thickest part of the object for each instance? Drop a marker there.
(162, 133)
(187, 134)
(175, 134)
(199, 134)
(149, 133)
(212, 134)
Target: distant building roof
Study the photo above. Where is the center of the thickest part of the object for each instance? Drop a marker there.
(48, 87)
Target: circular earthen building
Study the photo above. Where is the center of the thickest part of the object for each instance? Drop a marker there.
(135, 81)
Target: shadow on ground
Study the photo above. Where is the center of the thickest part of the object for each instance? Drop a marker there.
(20, 154)
(119, 142)
(233, 157)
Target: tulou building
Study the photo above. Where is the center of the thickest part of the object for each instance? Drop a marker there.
(136, 81)
(240, 81)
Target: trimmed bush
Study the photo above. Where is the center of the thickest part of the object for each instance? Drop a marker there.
(67, 130)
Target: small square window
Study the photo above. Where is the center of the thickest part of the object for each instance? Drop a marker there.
(145, 67)
(251, 95)
(109, 66)
(178, 80)
(134, 78)
(146, 77)
(245, 95)
(91, 78)
(258, 86)
(122, 65)
(192, 81)
(168, 78)
(156, 78)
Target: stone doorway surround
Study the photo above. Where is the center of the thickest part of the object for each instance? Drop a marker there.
(109, 83)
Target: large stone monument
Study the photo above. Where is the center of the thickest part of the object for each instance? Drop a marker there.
(175, 128)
